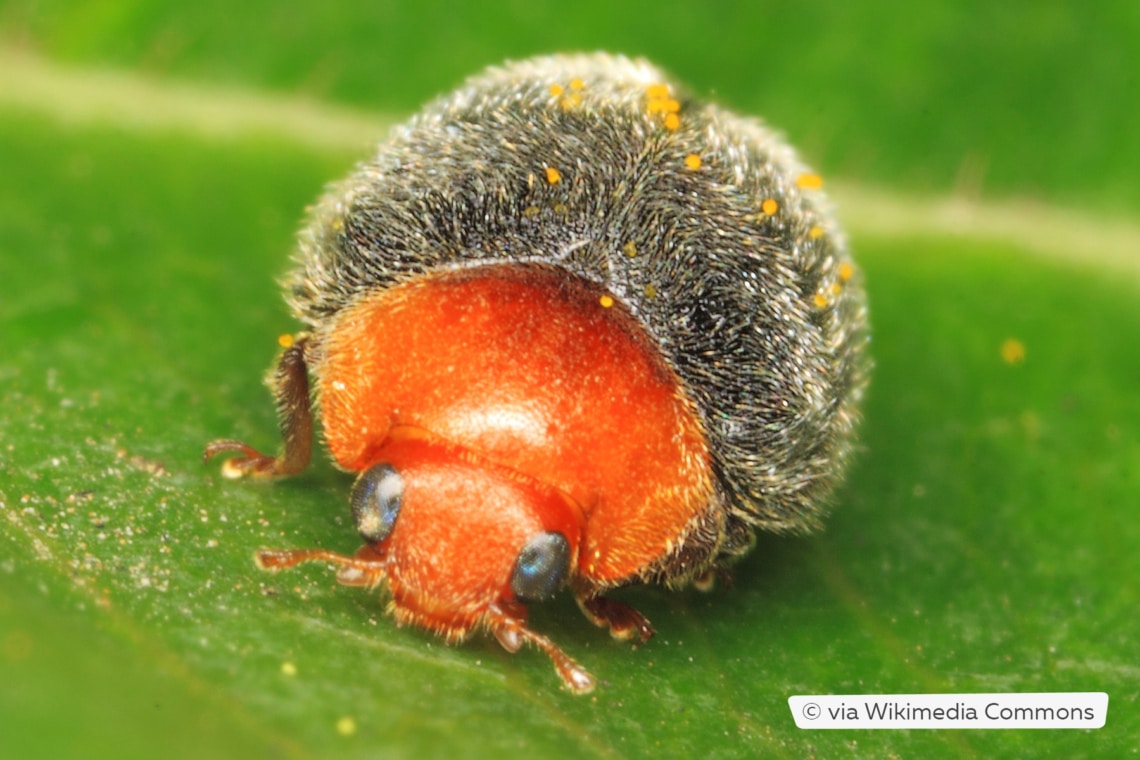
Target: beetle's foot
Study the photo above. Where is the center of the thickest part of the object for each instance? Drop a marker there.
(251, 462)
(705, 581)
(708, 580)
(623, 621)
(511, 633)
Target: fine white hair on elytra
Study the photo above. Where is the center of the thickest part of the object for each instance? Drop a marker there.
(704, 223)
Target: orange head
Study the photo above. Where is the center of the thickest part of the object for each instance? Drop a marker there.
(460, 542)
(459, 539)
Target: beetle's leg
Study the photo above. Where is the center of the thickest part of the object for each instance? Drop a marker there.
(295, 416)
(512, 632)
(623, 621)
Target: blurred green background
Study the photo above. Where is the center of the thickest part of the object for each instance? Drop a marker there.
(154, 163)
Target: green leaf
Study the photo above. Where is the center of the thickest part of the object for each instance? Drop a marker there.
(1029, 97)
(985, 541)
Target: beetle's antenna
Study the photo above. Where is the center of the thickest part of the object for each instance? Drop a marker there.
(353, 571)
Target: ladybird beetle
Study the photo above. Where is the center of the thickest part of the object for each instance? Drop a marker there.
(572, 327)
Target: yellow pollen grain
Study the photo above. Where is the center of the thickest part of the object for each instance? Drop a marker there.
(693, 161)
(671, 105)
(657, 91)
(553, 176)
(288, 669)
(769, 206)
(655, 105)
(846, 271)
(346, 726)
(672, 122)
(835, 288)
(820, 300)
(285, 340)
(651, 290)
(815, 233)
(606, 301)
(1013, 351)
(530, 212)
(630, 249)
(576, 83)
(809, 181)
(573, 100)
(556, 90)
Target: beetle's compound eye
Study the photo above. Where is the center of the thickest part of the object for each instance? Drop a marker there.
(542, 567)
(375, 499)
